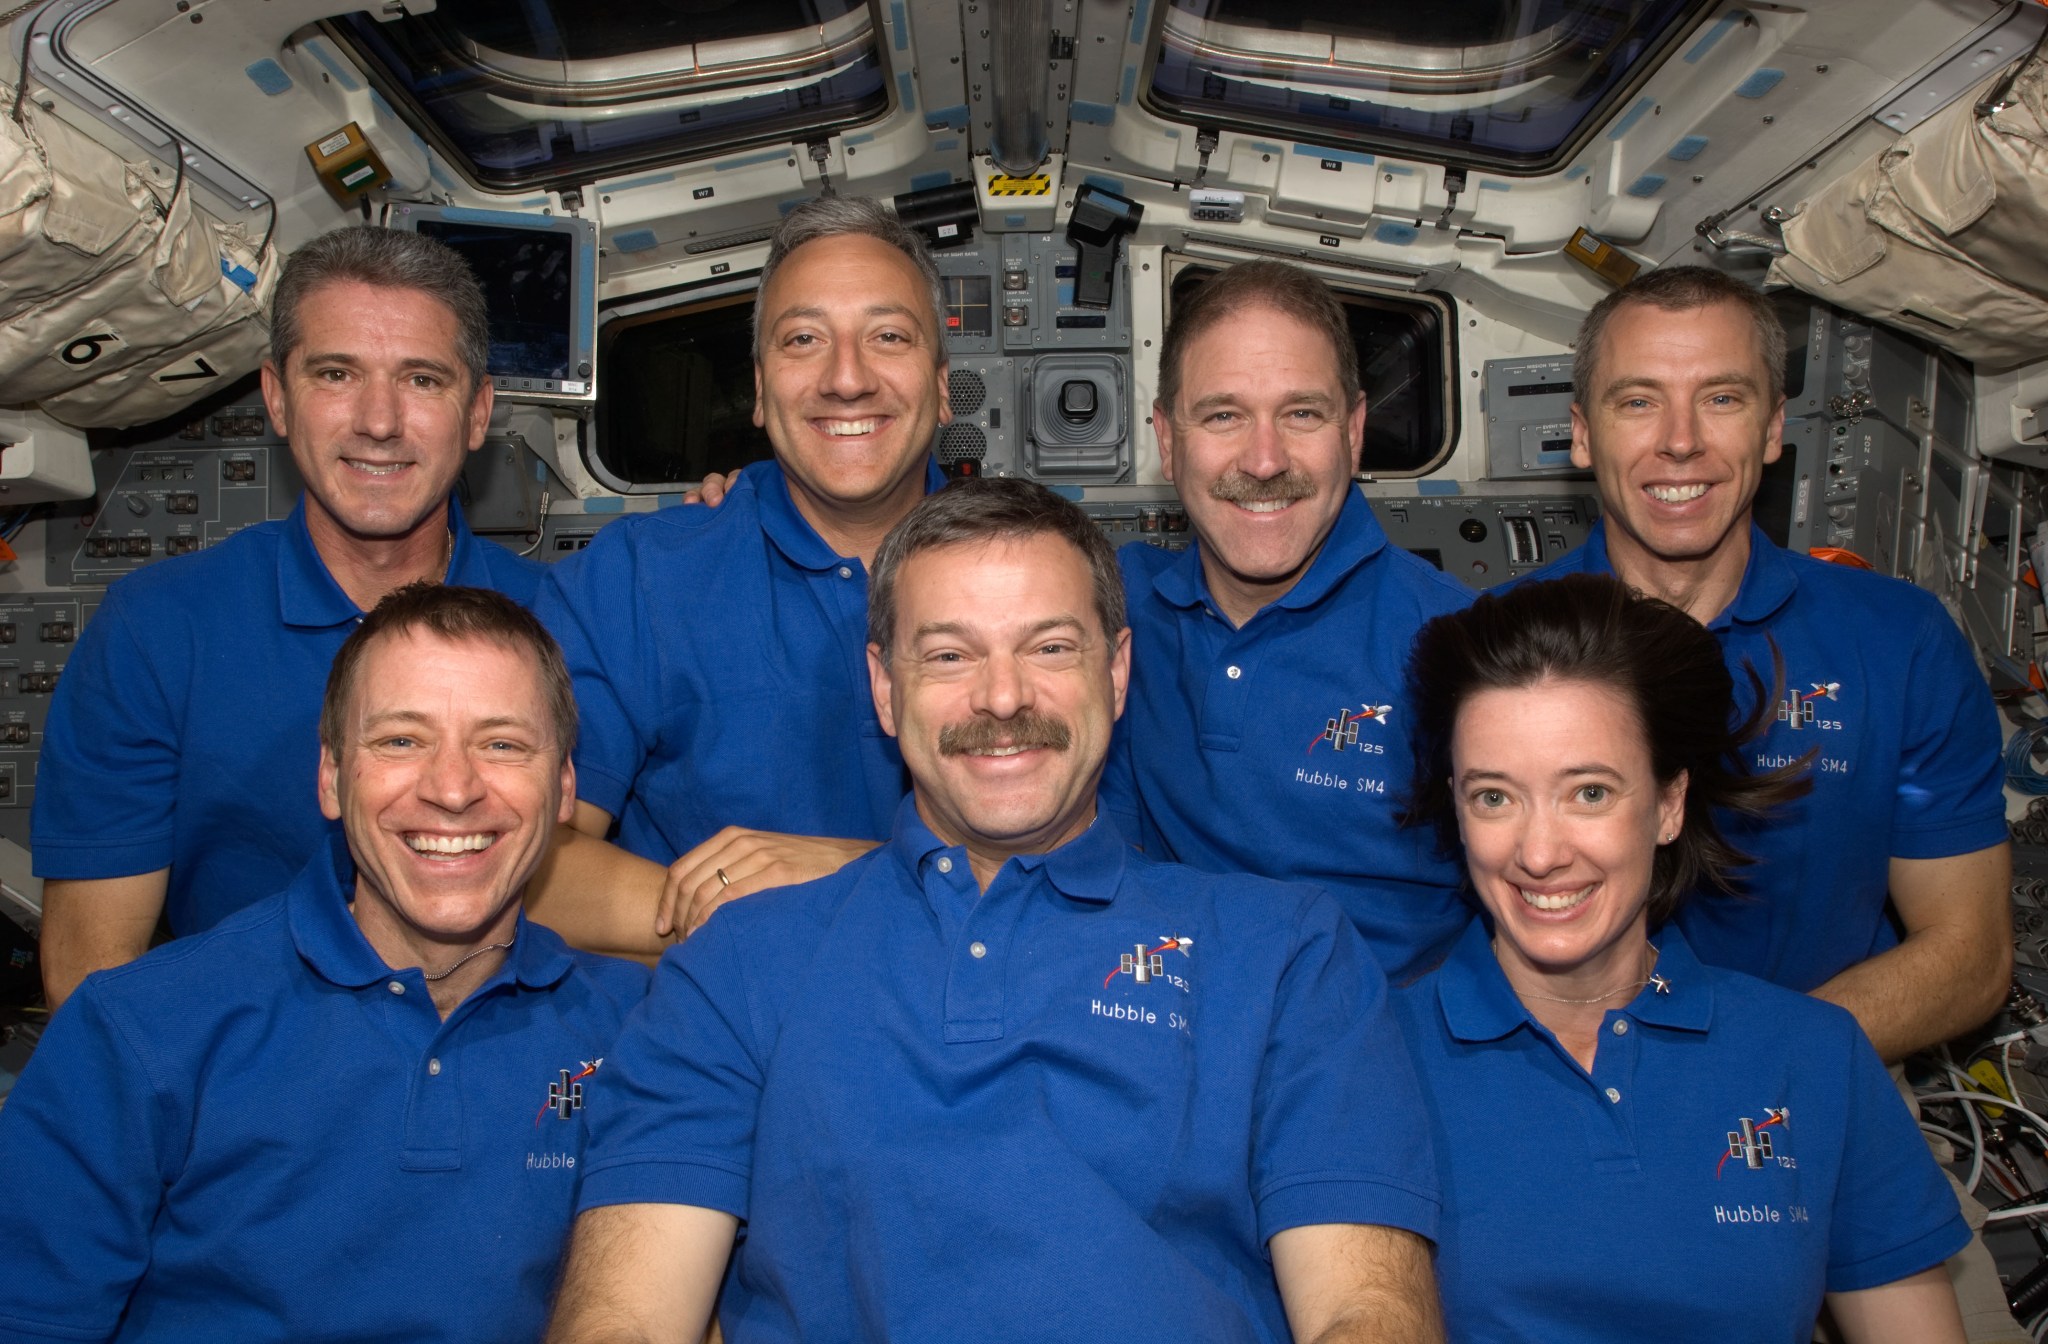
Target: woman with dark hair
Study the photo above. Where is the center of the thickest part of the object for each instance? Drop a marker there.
(1633, 1145)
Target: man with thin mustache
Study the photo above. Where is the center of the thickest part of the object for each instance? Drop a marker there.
(1003, 1078)
(1265, 732)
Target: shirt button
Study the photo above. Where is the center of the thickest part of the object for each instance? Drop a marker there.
(434, 1067)
(1613, 1094)
(945, 864)
(846, 571)
(977, 950)
(397, 988)
(1620, 1027)
(1233, 672)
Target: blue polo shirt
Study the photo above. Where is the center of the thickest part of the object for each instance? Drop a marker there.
(1880, 682)
(1105, 1077)
(1736, 1152)
(720, 661)
(185, 730)
(264, 1132)
(1281, 747)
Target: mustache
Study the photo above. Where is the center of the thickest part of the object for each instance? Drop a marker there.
(1027, 728)
(1237, 488)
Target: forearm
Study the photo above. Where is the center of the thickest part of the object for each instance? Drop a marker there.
(1953, 966)
(1357, 1284)
(597, 896)
(92, 924)
(642, 1274)
(1919, 1309)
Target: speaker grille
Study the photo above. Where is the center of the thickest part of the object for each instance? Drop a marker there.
(962, 443)
(965, 392)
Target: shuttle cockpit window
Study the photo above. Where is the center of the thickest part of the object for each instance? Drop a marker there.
(560, 92)
(677, 401)
(1513, 84)
(1403, 355)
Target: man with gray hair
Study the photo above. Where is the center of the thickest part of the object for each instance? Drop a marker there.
(176, 775)
(1004, 1078)
(728, 741)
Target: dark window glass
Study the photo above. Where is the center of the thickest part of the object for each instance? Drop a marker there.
(675, 399)
(1509, 83)
(554, 92)
(1402, 354)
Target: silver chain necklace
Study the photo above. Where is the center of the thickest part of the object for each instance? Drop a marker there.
(425, 974)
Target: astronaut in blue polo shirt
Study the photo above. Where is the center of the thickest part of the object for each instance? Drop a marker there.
(727, 729)
(1678, 403)
(1265, 732)
(1005, 1078)
(1885, 890)
(186, 711)
(354, 1110)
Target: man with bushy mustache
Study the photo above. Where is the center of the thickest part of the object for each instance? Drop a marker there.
(1265, 731)
(1003, 1078)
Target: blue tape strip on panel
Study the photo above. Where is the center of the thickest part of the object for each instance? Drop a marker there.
(268, 76)
(1759, 83)
(1631, 117)
(1115, 184)
(901, 23)
(907, 91)
(1138, 14)
(635, 183)
(634, 240)
(1688, 149)
(945, 146)
(926, 181)
(1092, 114)
(1649, 184)
(1400, 235)
(1013, 221)
(749, 161)
(1341, 155)
(1721, 29)
(949, 118)
(1130, 85)
(617, 503)
(1423, 488)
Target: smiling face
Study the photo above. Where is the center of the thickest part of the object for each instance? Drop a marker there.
(1001, 688)
(850, 379)
(1262, 449)
(1681, 425)
(448, 782)
(378, 408)
(1561, 816)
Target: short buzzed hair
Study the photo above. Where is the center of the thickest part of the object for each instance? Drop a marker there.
(456, 614)
(387, 259)
(860, 216)
(984, 509)
(1257, 284)
(1681, 289)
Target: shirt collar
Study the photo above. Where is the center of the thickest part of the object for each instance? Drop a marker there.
(1089, 867)
(1767, 580)
(308, 595)
(791, 532)
(1354, 539)
(330, 941)
(1478, 1004)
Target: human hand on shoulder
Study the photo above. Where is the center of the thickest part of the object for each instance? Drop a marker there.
(739, 862)
(711, 490)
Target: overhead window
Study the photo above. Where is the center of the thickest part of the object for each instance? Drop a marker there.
(1508, 83)
(1404, 353)
(554, 92)
(676, 399)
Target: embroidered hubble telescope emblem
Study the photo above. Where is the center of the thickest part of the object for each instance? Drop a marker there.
(1340, 730)
(1146, 964)
(1798, 710)
(565, 1096)
(1752, 1143)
